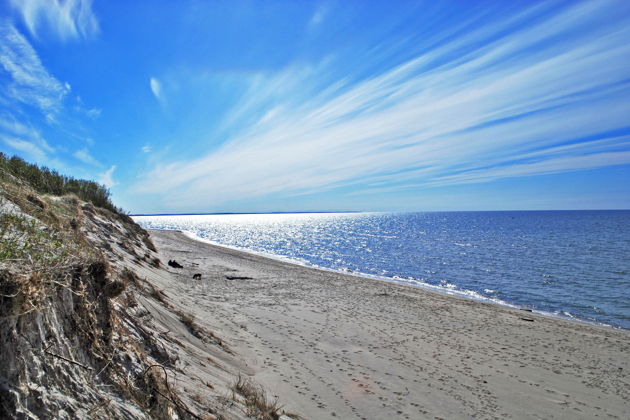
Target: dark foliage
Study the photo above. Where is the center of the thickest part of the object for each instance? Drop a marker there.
(47, 181)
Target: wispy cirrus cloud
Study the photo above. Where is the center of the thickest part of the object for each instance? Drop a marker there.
(156, 89)
(107, 177)
(24, 138)
(68, 19)
(26, 78)
(26, 85)
(28, 148)
(544, 93)
(85, 156)
(33, 101)
(11, 125)
(81, 108)
(318, 16)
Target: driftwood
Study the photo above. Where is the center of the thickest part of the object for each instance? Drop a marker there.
(238, 278)
(175, 264)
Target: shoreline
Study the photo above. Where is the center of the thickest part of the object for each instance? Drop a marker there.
(334, 345)
(462, 294)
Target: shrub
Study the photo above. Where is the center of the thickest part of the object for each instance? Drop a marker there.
(49, 181)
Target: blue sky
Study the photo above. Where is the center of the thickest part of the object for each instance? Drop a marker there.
(248, 106)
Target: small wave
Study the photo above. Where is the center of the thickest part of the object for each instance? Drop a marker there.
(447, 288)
(444, 286)
(341, 244)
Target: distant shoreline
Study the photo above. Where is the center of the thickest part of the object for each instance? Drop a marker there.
(252, 213)
(373, 211)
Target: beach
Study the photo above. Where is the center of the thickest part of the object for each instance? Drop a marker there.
(331, 345)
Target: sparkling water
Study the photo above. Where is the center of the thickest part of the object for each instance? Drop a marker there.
(573, 264)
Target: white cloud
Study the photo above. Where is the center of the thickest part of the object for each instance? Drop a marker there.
(23, 137)
(270, 115)
(318, 16)
(156, 88)
(462, 112)
(28, 86)
(84, 156)
(94, 112)
(80, 107)
(544, 167)
(107, 177)
(31, 150)
(68, 19)
(28, 81)
(146, 148)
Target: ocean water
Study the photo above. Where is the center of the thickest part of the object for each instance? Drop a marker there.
(573, 264)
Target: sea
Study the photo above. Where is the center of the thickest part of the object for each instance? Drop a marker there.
(570, 264)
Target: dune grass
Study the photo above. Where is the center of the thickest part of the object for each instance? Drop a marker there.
(257, 403)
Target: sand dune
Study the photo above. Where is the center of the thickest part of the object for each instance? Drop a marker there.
(337, 346)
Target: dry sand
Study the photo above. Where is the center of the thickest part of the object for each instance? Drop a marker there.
(337, 346)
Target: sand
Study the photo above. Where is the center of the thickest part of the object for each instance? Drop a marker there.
(331, 345)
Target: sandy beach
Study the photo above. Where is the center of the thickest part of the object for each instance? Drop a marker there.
(331, 345)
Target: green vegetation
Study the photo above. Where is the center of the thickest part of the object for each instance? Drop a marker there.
(41, 245)
(24, 240)
(47, 181)
(35, 259)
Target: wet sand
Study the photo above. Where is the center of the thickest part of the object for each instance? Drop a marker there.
(331, 345)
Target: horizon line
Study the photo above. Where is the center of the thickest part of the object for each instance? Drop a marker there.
(362, 211)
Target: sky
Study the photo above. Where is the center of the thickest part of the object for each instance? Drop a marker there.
(257, 106)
